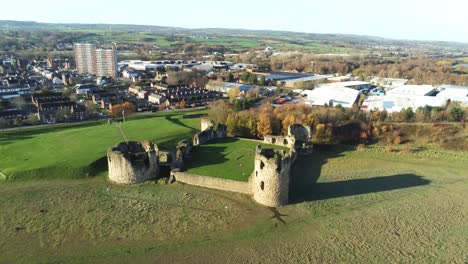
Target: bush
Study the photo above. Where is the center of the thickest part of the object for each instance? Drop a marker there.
(397, 140)
(390, 149)
(456, 114)
(408, 150)
(361, 147)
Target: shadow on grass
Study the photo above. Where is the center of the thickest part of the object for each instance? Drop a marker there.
(328, 190)
(208, 153)
(193, 116)
(97, 167)
(307, 170)
(176, 121)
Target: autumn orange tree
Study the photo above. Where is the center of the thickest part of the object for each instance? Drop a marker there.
(127, 107)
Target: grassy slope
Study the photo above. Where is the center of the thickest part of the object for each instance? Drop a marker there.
(69, 152)
(366, 207)
(226, 158)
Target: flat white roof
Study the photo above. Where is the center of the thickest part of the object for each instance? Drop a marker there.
(344, 84)
(454, 93)
(332, 94)
(308, 78)
(412, 90)
(395, 103)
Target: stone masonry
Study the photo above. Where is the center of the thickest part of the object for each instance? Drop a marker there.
(270, 178)
(133, 162)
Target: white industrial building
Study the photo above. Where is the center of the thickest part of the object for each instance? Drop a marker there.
(388, 82)
(395, 103)
(454, 93)
(332, 96)
(413, 90)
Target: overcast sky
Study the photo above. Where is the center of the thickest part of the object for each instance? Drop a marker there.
(402, 19)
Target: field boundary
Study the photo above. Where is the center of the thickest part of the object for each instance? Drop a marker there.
(212, 182)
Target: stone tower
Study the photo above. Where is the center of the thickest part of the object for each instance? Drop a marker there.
(206, 123)
(270, 178)
(133, 162)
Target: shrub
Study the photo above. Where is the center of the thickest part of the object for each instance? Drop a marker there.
(389, 140)
(407, 150)
(390, 149)
(397, 140)
(361, 147)
(456, 114)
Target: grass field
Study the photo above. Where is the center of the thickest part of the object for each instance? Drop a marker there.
(347, 206)
(228, 158)
(79, 150)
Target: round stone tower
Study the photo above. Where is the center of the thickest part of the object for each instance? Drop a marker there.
(206, 123)
(270, 179)
(133, 162)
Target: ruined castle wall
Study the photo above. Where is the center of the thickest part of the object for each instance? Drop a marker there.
(209, 133)
(213, 183)
(206, 124)
(299, 132)
(270, 179)
(133, 162)
(203, 137)
(284, 141)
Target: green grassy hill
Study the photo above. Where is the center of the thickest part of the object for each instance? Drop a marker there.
(74, 151)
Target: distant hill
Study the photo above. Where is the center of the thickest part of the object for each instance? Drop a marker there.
(296, 38)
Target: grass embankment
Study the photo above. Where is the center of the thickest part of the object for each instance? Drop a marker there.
(79, 150)
(348, 206)
(228, 158)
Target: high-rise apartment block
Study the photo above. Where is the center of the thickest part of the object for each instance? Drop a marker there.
(101, 62)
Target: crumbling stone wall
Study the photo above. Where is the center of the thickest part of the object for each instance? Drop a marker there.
(298, 138)
(133, 162)
(285, 141)
(212, 182)
(270, 178)
(209, 132)
(206, 123)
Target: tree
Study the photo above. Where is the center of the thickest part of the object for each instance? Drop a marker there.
(63, 115)
(287, 121)
(4, 123)
(231, 124)
(456, 113)
(245, 77)
(91, 109)
(264, 125)
(423, 114)
(233, 93)
(182, 104)
(322, 134)
(262, 81)
(126, 107)
(19, 103)
(219, 111)
(45, 89)
(252, 79)
(230, 77)
(32, 120)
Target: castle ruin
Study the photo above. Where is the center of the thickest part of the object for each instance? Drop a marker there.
(298, 138)
(270, 179)
(209, 132)
(135, 162)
